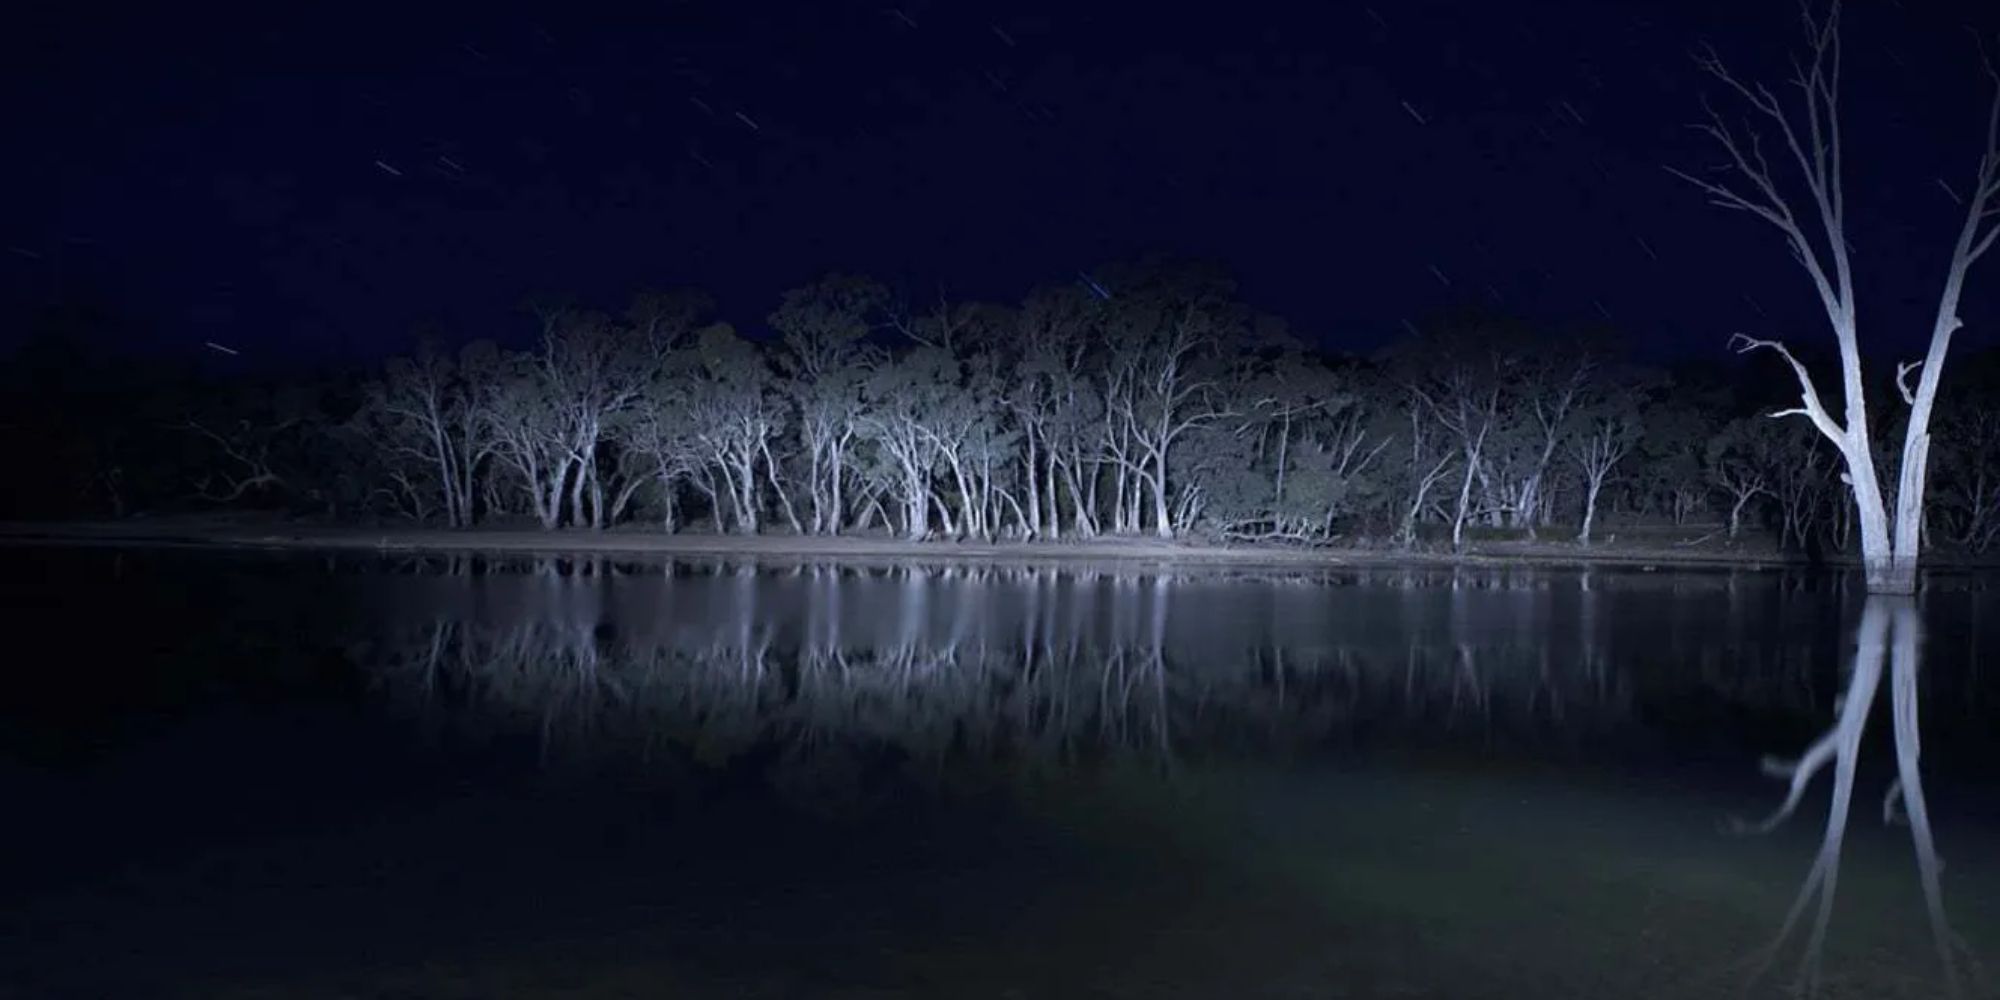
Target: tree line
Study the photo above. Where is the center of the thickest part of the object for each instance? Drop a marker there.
(1148, 400)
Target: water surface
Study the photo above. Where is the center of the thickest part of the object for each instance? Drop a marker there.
(248, 774)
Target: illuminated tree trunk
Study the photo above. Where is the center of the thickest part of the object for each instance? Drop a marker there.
(1811, 135)
(1163, 525)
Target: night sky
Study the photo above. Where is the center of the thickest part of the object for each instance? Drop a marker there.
(309, 187)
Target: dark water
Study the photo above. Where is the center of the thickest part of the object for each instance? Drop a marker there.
(252, 775)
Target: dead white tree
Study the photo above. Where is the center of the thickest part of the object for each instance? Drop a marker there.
(1177, 384)
(1606, 442)
(1815, 229)
(425, 412)
(1467, 405)
(1555, 388)
(1426, 470)
(1738, 459)
(824, 326)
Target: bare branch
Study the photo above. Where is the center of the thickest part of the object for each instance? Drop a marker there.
(1744, 344)
(1724, 197)
(1977, 234)
(1903, 371)
(1814, 144)
(1985, 243)
(1985, 202)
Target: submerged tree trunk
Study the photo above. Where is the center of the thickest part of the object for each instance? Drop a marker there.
(1899, 576)
(1887, 570)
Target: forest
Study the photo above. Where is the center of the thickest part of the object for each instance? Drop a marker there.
(1144, 399)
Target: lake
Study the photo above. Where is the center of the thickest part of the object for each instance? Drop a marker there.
(244, 774)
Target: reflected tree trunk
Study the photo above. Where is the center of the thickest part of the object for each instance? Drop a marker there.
(1909, 788)
(1889, 630)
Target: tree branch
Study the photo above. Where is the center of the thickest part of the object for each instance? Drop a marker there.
(1813, 410)
(1816, 153)
(1903, 371)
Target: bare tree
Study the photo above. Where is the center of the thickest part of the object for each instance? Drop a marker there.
(1174, 386)
(1044, 396)
(732, 412)
(1426, 470)
(1738, 459)
(823, 325)
(426, 409)
(1171, 370)
(899, 393)
(1167, 407)
(1812, 140)
(548, 413)
(1597, 451)
(1555, 386)
(528, 436)
(1464, 398)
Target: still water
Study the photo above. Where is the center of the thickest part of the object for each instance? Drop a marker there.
(260, 775)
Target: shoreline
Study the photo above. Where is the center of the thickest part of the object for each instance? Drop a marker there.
(205, 533)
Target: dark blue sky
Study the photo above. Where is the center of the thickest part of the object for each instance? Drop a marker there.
(315, 185)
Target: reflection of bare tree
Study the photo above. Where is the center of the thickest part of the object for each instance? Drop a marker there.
(1028, 665)
(1909, 788)
(1889, 629)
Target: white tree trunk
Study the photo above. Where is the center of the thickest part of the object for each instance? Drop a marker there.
(1163, 526)
(1590, 492)
(1811, 136)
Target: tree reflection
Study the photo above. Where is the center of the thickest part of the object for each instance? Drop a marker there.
(844, 687)
(1890, 630)
(1030, 666)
